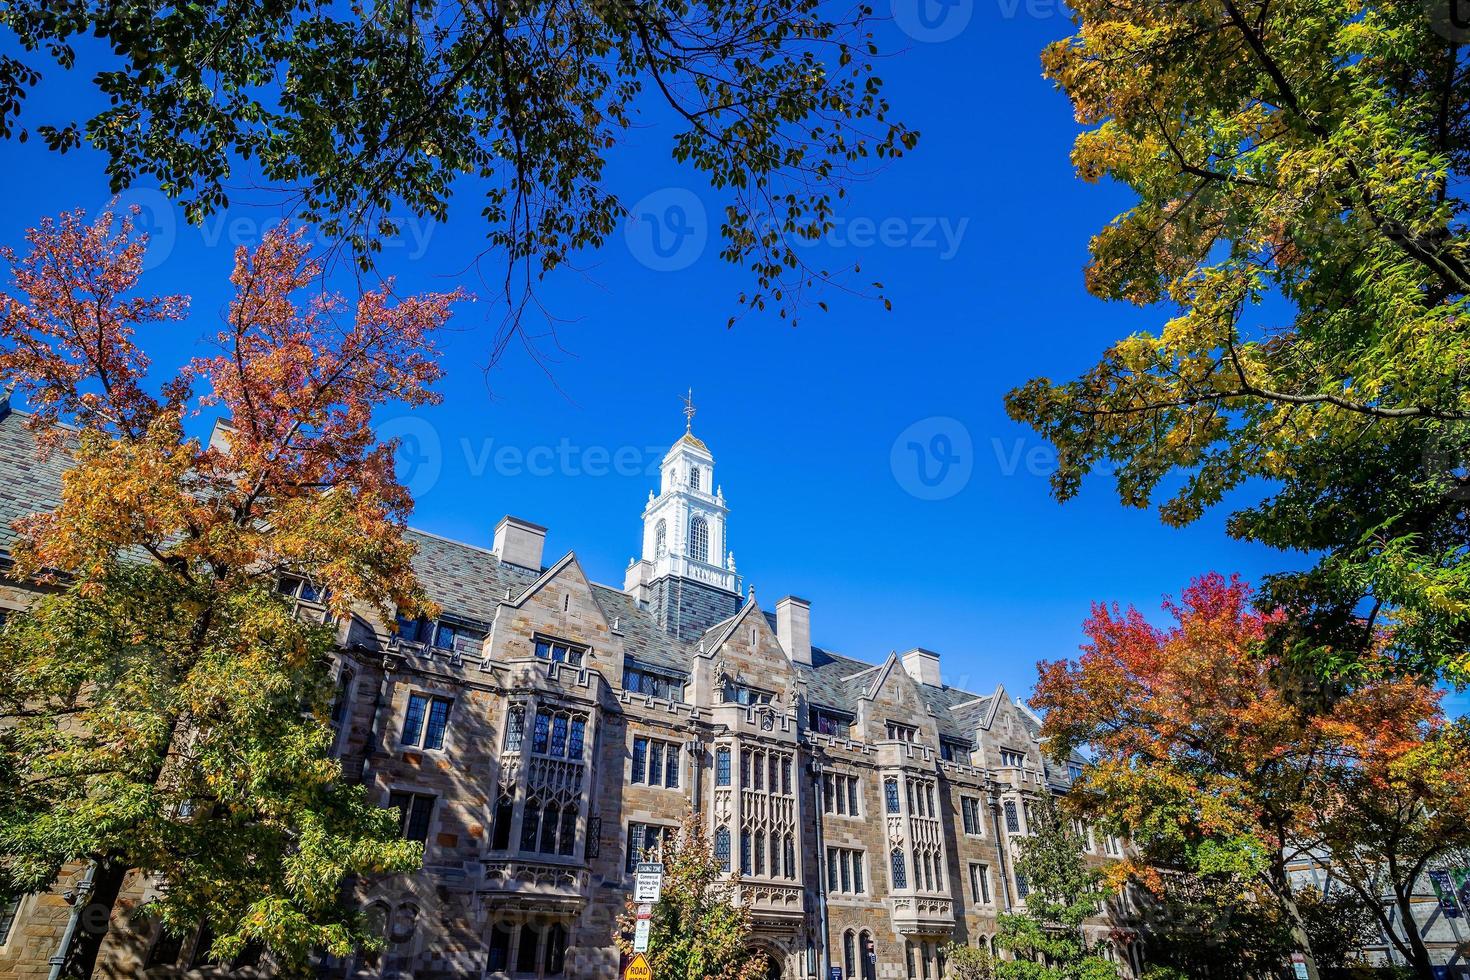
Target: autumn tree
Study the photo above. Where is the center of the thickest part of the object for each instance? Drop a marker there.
(1300, 169)
(1209, 766)
(700, 928)
(968, 962)
(1046, 938)
(163, 709)
(1213, 926)
(367, 113)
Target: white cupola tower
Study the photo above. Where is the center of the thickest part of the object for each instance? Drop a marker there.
(684, 523)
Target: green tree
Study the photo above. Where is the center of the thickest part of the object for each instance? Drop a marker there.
(1219, 926)
(1300, 169)
(165, 710)
(968, 962)
(371, 111)
(1047, 937)
(700, 930)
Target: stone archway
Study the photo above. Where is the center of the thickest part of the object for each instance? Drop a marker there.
(775, 959)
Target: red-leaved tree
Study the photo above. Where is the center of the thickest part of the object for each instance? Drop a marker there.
(1203, 760)
(152, 704)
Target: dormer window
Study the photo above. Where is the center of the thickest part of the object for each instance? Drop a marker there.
(559, 652)
(825, 722)
(300, 588)
(733, 693)
(901, 733)
(1012, 759)
(953, 751)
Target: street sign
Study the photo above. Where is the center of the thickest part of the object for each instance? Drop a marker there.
(640, 935)
(1299, 965)
(638, 969)
(1445, 891)
(648, 883)
(834, 973)
(645, 911)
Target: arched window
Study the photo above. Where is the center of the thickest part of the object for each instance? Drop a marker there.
(699, 539)
(900, 873)
(890, 793)
(500, 826)
(722, 847)
(343, 699)
(377, 924)
(849, 953)
(550, 821)
(745, 852)
(568, 830)
(660, 539)
(869, 953)
(515, 728)
(405, 923)
(1013, 823)
(530, 826)
(526, 949)
(722, 766)
(694, 478)
(556, 950)
(908, 957)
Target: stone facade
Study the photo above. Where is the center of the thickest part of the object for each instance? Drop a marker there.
(543, 734)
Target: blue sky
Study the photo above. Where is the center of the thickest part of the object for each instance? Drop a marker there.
(979, 236)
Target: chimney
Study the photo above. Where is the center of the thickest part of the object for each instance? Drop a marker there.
(922, 665)
(794, 628)
(519, 542)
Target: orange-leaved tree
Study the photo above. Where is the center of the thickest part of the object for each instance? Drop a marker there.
(1208, 765)
(152, 702)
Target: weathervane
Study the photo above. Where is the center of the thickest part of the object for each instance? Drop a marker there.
(689, 411)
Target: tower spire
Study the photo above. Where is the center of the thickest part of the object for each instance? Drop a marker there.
(689, 411)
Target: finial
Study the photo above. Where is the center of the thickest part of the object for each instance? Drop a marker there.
(689, 411)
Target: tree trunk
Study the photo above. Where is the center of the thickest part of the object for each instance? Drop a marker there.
(96, 917)
(1281, 885)
(1419, 959)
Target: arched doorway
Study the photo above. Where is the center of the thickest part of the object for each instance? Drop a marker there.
(775, 957)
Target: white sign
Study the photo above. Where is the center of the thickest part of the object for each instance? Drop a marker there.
(648, 883)
(640, 935)
(645, 911)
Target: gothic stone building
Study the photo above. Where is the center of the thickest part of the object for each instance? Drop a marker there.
(547, 732)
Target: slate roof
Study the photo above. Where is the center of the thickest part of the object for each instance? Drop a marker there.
(29, 483)
(466, 581)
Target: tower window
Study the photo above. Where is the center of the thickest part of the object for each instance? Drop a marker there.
(699, 539)
(694, 479)
(660, 539)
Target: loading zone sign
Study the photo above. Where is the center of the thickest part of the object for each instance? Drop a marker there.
(648, 883)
